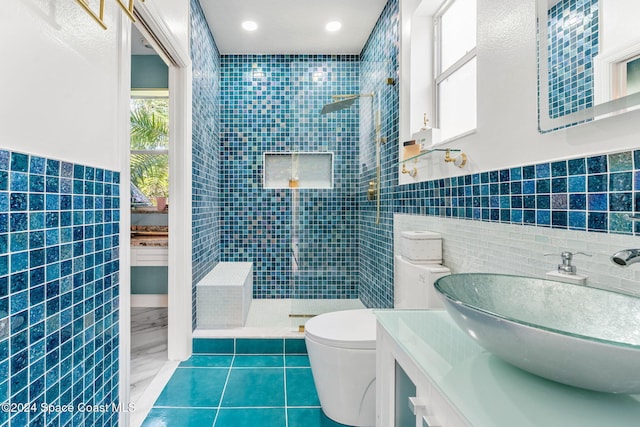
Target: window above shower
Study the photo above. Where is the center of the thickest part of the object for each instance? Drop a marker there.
(298, 170)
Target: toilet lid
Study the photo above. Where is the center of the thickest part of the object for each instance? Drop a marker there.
(345, 329)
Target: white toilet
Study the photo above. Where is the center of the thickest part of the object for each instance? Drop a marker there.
(342, 354)
(342, 344)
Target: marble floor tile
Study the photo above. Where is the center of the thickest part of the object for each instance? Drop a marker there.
(148, 347)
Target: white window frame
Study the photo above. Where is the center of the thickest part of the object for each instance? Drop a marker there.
(441, 75)
(620, 78)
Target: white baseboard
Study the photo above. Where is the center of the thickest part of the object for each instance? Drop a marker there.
(149, 300)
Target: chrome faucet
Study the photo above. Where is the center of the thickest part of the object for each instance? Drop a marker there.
(626, 257)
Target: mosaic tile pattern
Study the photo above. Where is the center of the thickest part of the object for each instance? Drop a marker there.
(59, 225)
(379, 60)
(596, 193)
(573, 42)
(206, 149)
(272, 103)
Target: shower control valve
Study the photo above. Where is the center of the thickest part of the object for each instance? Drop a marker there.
(371, 192)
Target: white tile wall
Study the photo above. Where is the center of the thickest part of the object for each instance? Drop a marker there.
(475, 246)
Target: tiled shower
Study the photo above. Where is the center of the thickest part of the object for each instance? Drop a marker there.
(272, 103)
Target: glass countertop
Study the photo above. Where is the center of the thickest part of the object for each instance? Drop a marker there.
(491, 393)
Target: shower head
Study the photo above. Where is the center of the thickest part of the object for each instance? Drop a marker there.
(339, 105)
(343, 101)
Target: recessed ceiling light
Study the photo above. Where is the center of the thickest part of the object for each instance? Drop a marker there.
(249, 25)
(333, 26)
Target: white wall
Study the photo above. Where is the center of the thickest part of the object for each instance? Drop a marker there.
(59, 82)
(507, 133)
(60, 78)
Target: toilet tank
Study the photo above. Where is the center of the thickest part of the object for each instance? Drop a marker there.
(413, 284)
(424, 247)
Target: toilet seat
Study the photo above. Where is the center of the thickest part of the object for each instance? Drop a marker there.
(352, 329)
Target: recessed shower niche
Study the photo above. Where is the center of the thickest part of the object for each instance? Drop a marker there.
(298, 170)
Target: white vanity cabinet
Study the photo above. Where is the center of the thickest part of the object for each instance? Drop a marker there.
(416, 400)
(430, 373)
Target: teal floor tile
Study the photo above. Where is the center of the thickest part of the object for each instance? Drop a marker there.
(167, 417)
(297, 361)
(263, 361)
(194, 387)
(301, 390)
(214, 345)
(295, 346)
(251, 387)
(259, 346)
(251, 417)
(209, 361)
(309, 417)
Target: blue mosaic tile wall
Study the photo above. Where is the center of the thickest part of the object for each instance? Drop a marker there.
(59, 287)
(572, 44)
(206, 149)
(379, 60)
(273, 103)
(595, 194)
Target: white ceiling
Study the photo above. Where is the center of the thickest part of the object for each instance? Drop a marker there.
(139, 44)
(291, 26)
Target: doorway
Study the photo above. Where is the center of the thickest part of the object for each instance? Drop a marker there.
(177, 299)
(149, 186)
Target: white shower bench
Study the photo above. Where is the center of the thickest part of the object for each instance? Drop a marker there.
(224, 295)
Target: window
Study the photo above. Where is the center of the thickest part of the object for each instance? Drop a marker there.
(149, 147)
(632, 71)
(626, 77)
(456, 68)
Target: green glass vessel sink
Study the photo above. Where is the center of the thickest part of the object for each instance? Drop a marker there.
(576, 335)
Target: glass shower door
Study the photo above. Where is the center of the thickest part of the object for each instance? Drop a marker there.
(324, 267)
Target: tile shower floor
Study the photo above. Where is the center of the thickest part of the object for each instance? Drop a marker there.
(266, 390)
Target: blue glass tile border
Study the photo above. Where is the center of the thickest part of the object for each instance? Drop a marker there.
(594, 193)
